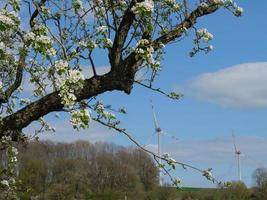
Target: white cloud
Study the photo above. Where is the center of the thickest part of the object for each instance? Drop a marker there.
(216, 151)
(219, 155)
(243, 86)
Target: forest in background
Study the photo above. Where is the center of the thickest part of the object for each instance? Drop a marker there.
(82, 170)
(105, 171)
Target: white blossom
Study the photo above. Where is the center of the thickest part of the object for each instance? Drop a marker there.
(210, 47)
(172, 3)
(80, 119)
(108, 43)
(146, 6)
(2, 46)
(67, 86)
(14, 150)
(30, 36)
(25, 101)
(207, 173)
(8, 19)
(51, 51)
(61, 66)
(239, 11)
(43, 39)
(204, 34)
(145, 51)
(87, 44)
(77, 4)
(5, 183)
(102, 29)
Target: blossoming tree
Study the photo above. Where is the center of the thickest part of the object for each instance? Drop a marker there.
(52, 44)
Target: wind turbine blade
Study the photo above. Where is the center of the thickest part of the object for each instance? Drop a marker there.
(173, 137)
(154, 116)
(234, 142)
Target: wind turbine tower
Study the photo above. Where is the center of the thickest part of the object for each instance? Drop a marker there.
(158, 132)
(238, 154)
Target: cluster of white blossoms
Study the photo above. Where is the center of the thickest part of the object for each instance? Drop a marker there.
(8, 19)
(204, 35)
(207, 173)
(100, 109)
(169, 160)
(9, 182)
(173, 4)
(77, 5)
(72, 81)
(40, 41)
(61, 66)
(25, 101)
(90, 44)
(80, 119)
(145, 51)
(230, 4)
(103, 41)
(68, 81)
(144, 7)
(44, 42)
(108, 43)
(102, 29)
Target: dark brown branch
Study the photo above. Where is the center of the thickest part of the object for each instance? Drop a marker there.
(186, 24)
(92, 63)
(18, 79)
(52, 102)
(36, 13)
(115, 55)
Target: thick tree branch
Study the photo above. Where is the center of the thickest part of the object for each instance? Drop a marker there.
(115, 55)
(52, 102)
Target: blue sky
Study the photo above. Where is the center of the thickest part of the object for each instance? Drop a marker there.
(224, 90)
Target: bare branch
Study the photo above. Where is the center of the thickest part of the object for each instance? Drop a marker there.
(155, 156)
(186, 24)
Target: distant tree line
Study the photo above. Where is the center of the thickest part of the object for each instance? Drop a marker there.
(104, 171)
(82, 170)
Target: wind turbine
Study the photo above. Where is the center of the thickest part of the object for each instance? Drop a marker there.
(158, 132)
(238, 154)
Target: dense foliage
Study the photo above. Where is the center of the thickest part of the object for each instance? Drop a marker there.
(82, 170)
